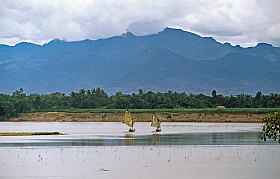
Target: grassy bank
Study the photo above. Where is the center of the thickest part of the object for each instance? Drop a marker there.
(176, 110)
(145, 115)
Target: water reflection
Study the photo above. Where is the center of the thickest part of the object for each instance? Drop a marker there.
(155, 138)
(113, 134)
(128, 139)
(218, 138)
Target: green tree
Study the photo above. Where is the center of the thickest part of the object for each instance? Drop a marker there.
(34, 101)
(19, 100)
(121, 101)
(214, 94)
(271, 128)
(101, 97)
(258, 99)
(7, 104)
(2, 111)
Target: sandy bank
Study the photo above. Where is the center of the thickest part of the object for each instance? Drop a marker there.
(139, 117)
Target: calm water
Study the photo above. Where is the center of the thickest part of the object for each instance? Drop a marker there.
(107, 150)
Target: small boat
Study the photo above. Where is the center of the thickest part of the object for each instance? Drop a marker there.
(128, 121)
(156, 123)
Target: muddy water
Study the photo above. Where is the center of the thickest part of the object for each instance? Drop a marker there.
(107, 150)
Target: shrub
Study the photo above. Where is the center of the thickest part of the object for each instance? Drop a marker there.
(271, 128)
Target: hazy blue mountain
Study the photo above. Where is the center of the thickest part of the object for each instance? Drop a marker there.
(160, 69)
(249, 71)
(169, 60)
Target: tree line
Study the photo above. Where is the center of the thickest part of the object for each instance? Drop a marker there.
(20, 102)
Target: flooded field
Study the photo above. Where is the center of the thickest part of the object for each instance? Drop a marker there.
(107, 150)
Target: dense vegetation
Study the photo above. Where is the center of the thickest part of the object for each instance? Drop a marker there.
(271, 129)
(20, 102)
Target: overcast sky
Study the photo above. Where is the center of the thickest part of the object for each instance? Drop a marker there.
(243, 22)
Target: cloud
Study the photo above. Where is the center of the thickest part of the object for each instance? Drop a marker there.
(244, 22)
(145, 28)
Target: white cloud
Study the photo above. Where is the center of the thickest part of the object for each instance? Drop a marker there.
(244, 22)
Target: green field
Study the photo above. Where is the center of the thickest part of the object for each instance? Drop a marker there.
(177, 110)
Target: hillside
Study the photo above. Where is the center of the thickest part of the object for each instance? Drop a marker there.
(169, 60)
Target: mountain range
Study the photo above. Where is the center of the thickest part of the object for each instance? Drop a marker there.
(172, 59)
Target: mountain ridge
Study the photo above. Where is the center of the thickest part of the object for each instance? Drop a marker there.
(172, 59)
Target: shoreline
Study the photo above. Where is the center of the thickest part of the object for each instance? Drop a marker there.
(138, 117)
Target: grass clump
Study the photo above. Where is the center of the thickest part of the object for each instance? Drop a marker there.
(28, 133)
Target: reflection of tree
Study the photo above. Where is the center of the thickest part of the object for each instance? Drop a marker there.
(155, 138)
(215, 138)
(128, 140)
